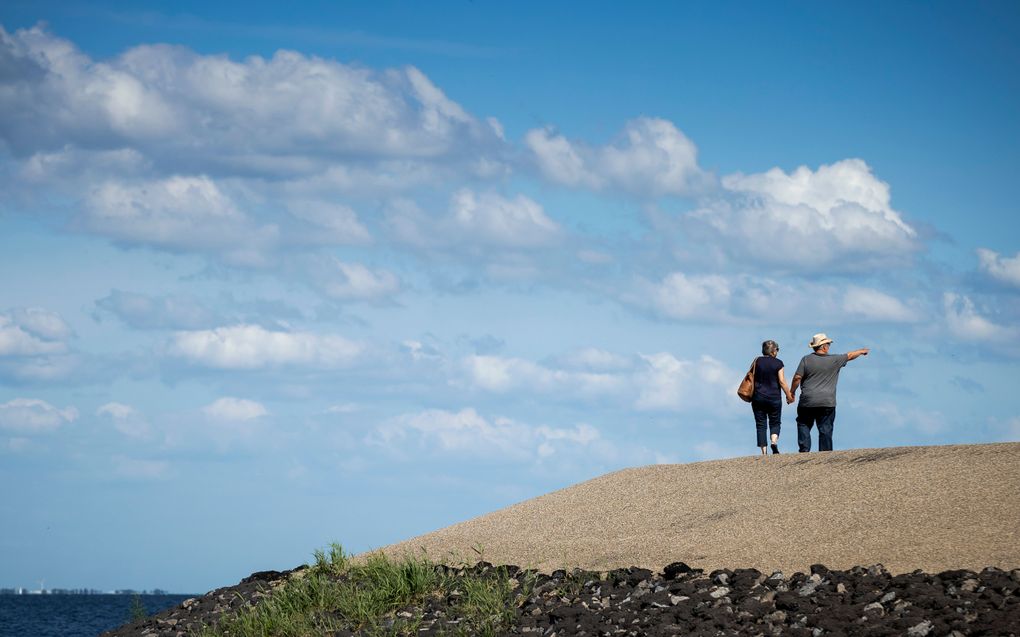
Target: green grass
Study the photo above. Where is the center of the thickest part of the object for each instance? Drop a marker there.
(336, 593)
(137, 611)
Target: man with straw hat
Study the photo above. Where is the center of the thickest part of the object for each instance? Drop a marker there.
(817, 376)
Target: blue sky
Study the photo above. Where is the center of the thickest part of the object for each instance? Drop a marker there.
(277, 277)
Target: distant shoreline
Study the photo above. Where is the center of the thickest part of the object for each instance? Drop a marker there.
(24, 592)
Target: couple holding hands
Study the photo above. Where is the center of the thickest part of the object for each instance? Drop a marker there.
(816, 377)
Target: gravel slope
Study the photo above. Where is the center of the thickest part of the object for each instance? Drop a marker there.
(930, 508)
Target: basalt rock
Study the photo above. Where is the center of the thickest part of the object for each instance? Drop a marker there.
(682, 601)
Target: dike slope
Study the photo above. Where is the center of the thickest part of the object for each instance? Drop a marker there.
(930, 508)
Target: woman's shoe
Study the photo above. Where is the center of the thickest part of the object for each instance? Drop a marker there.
(775, 448)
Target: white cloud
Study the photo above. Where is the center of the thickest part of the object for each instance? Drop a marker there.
(489, 218)
(33, 346)
(17, 339)
(1004, 269)
(742, 299)
(419, 351)
(651, 157)
(254, 347)
(259, 114)
(872, 305)
(559, 160)
(333, 223)
(837, 217)
(178, 212)
(594, 359)
(501, 375)
(156, 312)
(117, 411)
(29, 415)
(476, 222)
(354, 281)
(714, 298)
(966, 323)
(125, 418)
(682, 296)
(667, 383)
(468, 431)
(229, 409)
(42, 323)
(648, 382)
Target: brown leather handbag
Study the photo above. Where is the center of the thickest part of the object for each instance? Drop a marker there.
(746, 389)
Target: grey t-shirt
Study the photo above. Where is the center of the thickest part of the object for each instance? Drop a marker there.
(818, 376)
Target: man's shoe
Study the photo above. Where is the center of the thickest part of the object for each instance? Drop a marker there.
(775, 449)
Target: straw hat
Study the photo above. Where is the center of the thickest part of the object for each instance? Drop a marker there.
(819, 340)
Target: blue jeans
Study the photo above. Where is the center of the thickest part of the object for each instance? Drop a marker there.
(825, 417)
(770, 412)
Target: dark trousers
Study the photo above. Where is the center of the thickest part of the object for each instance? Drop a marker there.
(825, 417)
(767, 413)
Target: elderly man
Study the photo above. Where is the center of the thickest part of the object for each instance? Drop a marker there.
(817, 375)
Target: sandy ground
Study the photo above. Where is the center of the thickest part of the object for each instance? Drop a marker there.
(930, 508)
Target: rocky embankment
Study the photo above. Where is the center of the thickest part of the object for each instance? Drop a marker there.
(678, 601)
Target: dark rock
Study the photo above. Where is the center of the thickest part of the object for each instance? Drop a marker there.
(683, 601)
(672, 571)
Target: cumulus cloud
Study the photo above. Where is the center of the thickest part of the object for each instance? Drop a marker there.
(682, 296)
(260, 114)
(966, 323)
(41, 323)
(253, 347)
(476, 221)
(28, 415)
(34, 345)
(741, 299)
(142, 311)
(650, 157)
(1000, 268)
(501, 374)
(125, 418)
(353, 281)
(177, 213)
(691, 297)
(838, 217)
(229, 409)
(331, 222)
(20, 339)
(593, 359)
(872, 305)
(667, 383)
(648, 382)
(468, 431)
(489, 218)
(237, 159)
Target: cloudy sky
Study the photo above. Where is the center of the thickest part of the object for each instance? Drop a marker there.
(279, 277)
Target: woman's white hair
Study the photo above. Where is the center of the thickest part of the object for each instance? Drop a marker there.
(769, 348)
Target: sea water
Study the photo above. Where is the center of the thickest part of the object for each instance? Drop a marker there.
(73, 615)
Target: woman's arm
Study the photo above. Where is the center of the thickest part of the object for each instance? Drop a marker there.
(786, 390)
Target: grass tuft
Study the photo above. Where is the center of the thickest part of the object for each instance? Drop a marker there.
(338, 593)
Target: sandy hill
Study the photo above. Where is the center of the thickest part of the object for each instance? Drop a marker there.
(930, 508)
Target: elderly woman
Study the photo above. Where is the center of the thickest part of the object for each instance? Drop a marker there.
(769, 389)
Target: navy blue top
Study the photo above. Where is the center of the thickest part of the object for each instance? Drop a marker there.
(766, 379)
